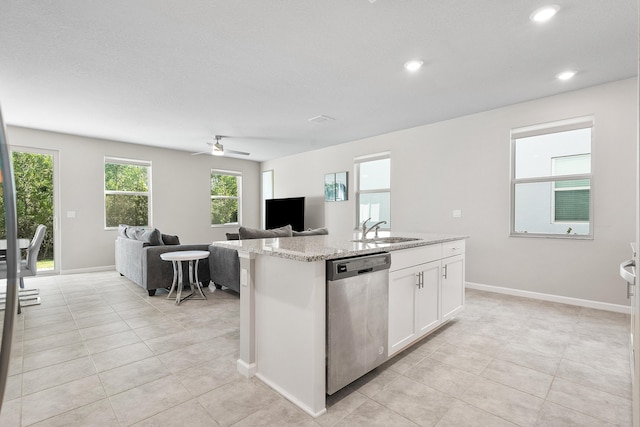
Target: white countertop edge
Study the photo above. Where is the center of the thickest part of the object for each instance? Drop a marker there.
(322, 248)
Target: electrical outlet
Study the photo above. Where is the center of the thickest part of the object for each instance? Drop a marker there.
(457, 213)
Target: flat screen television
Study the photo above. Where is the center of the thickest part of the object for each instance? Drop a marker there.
(280, 212)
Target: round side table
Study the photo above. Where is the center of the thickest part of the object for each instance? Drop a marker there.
(176, 259)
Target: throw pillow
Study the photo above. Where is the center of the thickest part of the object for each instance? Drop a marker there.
(233, 236)
(170, 240)
(122, 230)
(133, 232)
(252, 233)
(310, 232)
(153, 237)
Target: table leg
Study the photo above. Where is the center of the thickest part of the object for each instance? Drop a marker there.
(175, 279)
(197, 283)
(179, 295)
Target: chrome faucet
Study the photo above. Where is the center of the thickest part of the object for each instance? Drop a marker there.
(366, 230)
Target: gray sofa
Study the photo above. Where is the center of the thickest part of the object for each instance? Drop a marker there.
(138, 252)
(224, 263)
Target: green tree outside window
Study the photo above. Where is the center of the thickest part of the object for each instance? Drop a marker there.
(126, 193)
(225, 197)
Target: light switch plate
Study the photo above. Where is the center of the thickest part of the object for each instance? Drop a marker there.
(457, 213)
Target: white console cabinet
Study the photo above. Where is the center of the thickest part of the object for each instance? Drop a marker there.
(426, 288)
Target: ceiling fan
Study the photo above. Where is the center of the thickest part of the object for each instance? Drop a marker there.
(217, 149)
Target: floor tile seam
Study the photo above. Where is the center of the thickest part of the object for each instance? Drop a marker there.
(46, 366)
(56, 385)
(168, 374)
(109, 398)
(365, 399)
(432, 389)
(515, 389)
(593, 386)
(55, 347)
(512, 421)
(65, 412)
(629, 399)
(390, 409)
(597, 417)
(84, 339)
(484, 411)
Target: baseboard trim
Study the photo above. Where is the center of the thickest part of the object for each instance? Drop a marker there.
(291, 398)
(549, 297)
(247, 370)
(89, 270)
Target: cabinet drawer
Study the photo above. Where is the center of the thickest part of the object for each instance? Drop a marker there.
(452, 248)
(406, 258)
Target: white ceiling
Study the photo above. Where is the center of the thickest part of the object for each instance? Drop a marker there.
(174, 73)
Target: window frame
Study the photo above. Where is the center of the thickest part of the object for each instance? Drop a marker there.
(148, 193)
(238, 175)
(358, 161)
(584, 122)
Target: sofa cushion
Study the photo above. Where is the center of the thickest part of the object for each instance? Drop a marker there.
(170, 240)
(233, 236)
(252, 233)
(311, 232)
(122, 230)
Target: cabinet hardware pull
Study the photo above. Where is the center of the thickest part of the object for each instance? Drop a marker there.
(422, 279)
(445, 271)
(418, 277)
(630, 293)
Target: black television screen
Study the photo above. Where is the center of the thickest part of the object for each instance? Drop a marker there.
(280, 212)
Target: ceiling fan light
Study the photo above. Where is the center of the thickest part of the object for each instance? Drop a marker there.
(217, 149)
(544, 13)
(566, 75)
(413, 65)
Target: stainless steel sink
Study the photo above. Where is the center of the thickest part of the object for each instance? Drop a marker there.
(380, 240)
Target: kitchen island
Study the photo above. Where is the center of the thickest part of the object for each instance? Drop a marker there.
(283, 302)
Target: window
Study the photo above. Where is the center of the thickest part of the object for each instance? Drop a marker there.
(226, 206)
(373, 191)
(127, 192)
(551, 179)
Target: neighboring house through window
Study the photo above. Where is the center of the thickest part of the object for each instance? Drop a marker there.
(373, 189)
(551, 179)
(127, 192)
(226, 193)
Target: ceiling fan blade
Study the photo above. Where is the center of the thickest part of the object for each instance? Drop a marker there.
(201, 152)
(244, 153)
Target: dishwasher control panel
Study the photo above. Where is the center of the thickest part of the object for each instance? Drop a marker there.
(348, 267)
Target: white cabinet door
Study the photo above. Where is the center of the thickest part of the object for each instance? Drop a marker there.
(427, 316)
(452, 297)
(402, 317)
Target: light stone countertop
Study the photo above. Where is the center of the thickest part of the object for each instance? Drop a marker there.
(321, 248)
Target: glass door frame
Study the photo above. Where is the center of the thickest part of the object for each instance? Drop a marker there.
(55, 154)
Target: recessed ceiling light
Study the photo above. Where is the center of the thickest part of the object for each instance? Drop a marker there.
(544, 13)
(413, 65)
(566, 75)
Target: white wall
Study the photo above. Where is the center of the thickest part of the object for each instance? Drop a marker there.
(464, 164)
(180, 193)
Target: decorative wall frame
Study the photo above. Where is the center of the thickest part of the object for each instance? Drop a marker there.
(336, 187)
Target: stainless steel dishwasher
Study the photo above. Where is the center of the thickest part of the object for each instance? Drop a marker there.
(357, 317)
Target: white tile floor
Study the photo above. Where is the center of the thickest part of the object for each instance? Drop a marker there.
(100, 352)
